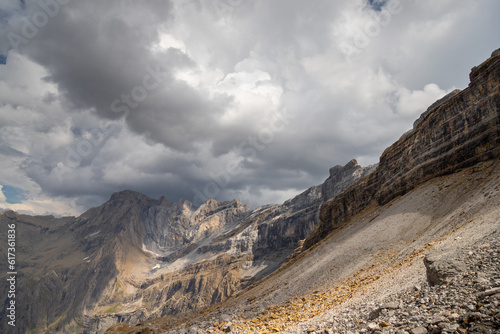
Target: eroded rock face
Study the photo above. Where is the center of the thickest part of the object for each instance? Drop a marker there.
(195, 286)
(168, 228)
(341, 177)
(434, 105)
(460, 131)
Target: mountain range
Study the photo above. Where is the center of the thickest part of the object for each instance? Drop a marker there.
(173, 266)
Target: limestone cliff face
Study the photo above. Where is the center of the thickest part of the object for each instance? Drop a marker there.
(459, 131)
(170, 227)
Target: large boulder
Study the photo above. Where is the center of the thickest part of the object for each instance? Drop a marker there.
(442, 266)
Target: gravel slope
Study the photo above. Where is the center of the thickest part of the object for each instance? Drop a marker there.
(377, 257)
(342, 284)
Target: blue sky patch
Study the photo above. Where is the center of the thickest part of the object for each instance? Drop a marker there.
(3, 60)
(377, 4)
(13, 195)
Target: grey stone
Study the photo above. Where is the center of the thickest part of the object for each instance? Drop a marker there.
(442, 266)
(225, 317)
(473, 317)
(436, 320)
(490, 292)
(390, 306)
(374, 314)
(419, 330)
(193, 329)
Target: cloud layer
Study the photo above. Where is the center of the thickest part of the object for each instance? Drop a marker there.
(253, 100)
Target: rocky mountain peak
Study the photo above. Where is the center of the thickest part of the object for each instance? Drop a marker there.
(128, 196)
(163, 201)
(343, 176)
(212, 205)
(340, 178)
(339, 169)
(183, 204)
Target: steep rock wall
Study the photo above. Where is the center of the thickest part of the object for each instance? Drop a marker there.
(461, 131)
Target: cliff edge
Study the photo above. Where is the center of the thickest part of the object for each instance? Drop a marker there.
(459, 132)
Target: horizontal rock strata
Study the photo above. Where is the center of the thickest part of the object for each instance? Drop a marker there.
(461, 131)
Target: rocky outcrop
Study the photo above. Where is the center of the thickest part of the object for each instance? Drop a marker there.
(434, 105)
(458, 132)
(442, 266)
(341, 177)
(466, 305)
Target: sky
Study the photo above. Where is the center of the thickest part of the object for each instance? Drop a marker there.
(227, 99)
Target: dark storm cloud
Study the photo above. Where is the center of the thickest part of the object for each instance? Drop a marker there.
(253, 99)
(100, 56)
